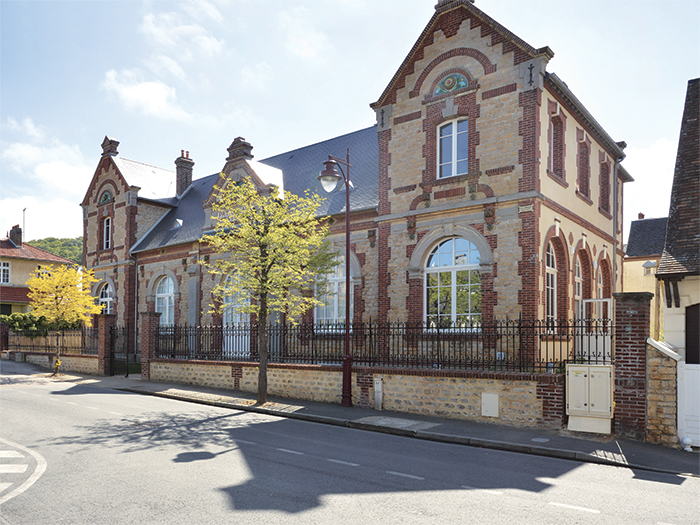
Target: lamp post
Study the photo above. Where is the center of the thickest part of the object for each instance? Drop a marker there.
(330, 179)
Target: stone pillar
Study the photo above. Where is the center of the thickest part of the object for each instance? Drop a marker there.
(632, 316)
(4, 337)
(148, 332)
(104, 323)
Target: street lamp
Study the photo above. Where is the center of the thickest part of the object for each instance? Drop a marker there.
(330, 179)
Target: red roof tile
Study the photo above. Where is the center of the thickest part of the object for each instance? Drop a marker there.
(27, 251)
(14, 294)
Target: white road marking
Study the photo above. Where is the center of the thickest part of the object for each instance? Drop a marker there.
(116, 413)
(10, 454)
(71, 403)
(487, 491)
(410, 476)
(13, 469)
(40, 469)
(291, 451)
(246, 442)
(4, 487)
(92, 408)
(343, 462)
(574, 507)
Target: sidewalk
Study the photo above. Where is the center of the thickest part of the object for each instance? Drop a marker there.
(590, 448)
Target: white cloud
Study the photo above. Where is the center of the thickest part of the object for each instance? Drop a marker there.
(258, 76)
(163, 65)
(26, 127)
(200, 9)
(153, 98)
(303, 39)
(652, 169)
(167, 31)
(58, 217)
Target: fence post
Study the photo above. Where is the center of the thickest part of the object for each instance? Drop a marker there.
(148, 336)
(104, 324)
(632, 317)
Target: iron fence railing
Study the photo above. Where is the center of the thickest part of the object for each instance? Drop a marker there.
(82, 341)
(511, 345)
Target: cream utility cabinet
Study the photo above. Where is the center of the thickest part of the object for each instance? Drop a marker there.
(589, 398)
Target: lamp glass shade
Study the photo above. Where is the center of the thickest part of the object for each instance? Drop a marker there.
(329, 176)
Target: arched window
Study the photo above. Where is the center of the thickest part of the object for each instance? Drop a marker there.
(232, 315)
(106, 299)
(334, 297)
(600, 291)
(550, 284)
(578, 288)
(165, 300)
(453, 147)
(453, 285)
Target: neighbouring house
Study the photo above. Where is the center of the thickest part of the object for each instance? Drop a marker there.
(679, 269)
(18, 260)
(645, 245)
(486, 190)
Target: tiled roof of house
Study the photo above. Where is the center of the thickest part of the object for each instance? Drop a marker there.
(14, 294)
(27, 251)
(682, 249)
(646, 237)
(300, 167)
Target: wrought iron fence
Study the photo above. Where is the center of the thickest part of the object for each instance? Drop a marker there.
(512, 345)
(83, 341)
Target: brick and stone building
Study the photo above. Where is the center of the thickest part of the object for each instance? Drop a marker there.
(485, 190)
(18, 261)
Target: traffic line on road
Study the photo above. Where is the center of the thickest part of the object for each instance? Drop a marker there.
(339, 462)
(38, 471)
(410, 476)
(116, 414)
(17, 468)
(71, 403)
(4, 487)
(574, 507)
(291, 451)
(10, 454)
(486, 491)
(245, 442)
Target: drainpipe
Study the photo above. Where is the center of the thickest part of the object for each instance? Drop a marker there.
(615, 222)
(136, 302)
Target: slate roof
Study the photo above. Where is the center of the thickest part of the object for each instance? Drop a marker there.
(27, 251)
(681, 254)
(646, 238)
(300, 167)
(155, 182)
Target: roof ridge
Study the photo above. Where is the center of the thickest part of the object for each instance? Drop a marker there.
(144, 164)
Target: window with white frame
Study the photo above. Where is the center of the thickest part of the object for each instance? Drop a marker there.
(334, 298)
(165, 300)
(232, 304)
(107, 233)
(5, 272)
(578, 288)
(550, 284)
(453, 285)
(106, 299)
(599, 284)
(453, 148)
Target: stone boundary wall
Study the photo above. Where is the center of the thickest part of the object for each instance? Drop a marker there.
(525, 400)
(80, 364)
(662, 407)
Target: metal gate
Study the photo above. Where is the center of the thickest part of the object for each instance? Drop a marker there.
(119, 351)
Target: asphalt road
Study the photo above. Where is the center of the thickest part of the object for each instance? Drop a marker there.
(77, 454)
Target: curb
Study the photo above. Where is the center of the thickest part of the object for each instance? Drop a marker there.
(505, 446)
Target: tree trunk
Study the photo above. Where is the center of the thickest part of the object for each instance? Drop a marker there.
(263, 351)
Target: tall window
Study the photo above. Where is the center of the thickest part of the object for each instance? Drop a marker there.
(106, 299)
(334, 297)
(231, 303)
(584, 169)
(165, 300)
(107, 233)
(453, 149)
(550, 284)
(605, 187)
(578, 288)
(556, 146)
(5, 273)
(599, 284)
(453, 285)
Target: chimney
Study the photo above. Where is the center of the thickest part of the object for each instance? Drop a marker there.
(640, 216)
(183, 172)
(16, 235)
(239, 148)
(109, 147)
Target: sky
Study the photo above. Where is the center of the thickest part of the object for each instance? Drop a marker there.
(163, 76)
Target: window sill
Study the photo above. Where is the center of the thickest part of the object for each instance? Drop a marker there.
(559, 180)
(605, 213)
(451, 180)
(584, 198)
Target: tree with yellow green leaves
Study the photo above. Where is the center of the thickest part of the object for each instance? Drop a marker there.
(273, 253)
(62, 295)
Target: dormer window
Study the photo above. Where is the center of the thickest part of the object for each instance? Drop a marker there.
(453, 148)
(105, 197)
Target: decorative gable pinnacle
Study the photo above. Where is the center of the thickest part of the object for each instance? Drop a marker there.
(238, 149)
(109, 147)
